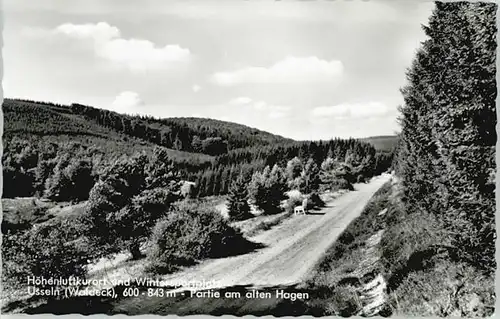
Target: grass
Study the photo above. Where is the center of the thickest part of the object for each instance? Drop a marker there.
(424, 274)
(338, 276)
(254, 226)
(21, 213)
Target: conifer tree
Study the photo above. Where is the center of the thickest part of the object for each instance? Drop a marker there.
(447, 150)
(267, 189)
(310, 177)
(237, 206)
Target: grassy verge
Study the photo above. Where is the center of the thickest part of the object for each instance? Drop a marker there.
(424, 275)
(337, 276)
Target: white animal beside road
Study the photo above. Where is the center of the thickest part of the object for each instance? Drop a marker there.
(299, 210)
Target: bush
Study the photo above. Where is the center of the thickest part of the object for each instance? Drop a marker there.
(293, 202)
(267, 189)
(427, 292)
(130, 196)
(344, 302)
(341, 183)
(314, 201)
(360, 179)
(44, 251)
(133, 223)
(72, 180)
(187, 235)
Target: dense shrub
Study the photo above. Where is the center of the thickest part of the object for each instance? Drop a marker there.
(293, 168)
(314, 201)
(341, 183)
(309, 177)
(43, 251)
(267, 189)
(344, 302)
(189, 234)
(426, 293)
(128, 199)
(72, 180)
(133, 223)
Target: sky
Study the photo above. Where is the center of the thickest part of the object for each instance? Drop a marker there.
(301, 69)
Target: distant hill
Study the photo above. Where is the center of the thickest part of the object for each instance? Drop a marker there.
(237, 135)
(51, 123)
(382, 143)
(194, 135)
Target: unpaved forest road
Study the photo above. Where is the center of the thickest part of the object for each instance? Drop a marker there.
(292, 248)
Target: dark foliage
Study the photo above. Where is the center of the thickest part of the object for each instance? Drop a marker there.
(315, 201)
(267, 189)
(189, 234)
(129, 197)
(447, 145)
(43, 251)
(238, 207)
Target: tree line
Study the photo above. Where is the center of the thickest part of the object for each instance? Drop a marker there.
(52, 168)
(362, 157)
(206, 136)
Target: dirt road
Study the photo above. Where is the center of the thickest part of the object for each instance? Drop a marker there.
(291, 249)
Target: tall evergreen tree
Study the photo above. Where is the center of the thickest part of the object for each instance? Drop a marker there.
(310, 177)
(238, 207)
(447, 150)
(267, 190)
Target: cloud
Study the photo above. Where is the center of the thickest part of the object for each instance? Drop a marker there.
(196, 88)
(346, 110)
(289, 70)
(127, 102)
(273, 111)
(99, 31)
(135, 54)
(142, 54)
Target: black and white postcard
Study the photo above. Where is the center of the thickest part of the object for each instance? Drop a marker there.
(249, 157)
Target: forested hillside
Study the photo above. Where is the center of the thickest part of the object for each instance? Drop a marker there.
(42, 139)
(184, 134)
